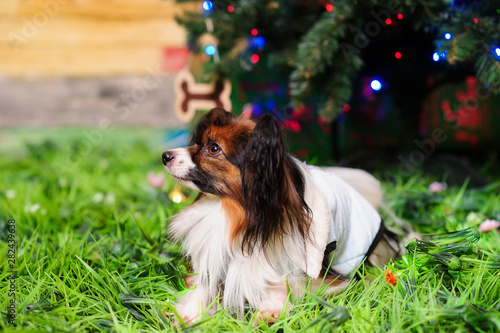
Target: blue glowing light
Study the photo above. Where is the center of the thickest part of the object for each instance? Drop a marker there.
(447, 36)
(435, 56)
(259, 41)
(270, 104)
(497, 51)
(207, 5)
(257, 110)
(210, 50)
(376, 85)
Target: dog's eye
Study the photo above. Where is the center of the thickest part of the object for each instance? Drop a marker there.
(214, 149)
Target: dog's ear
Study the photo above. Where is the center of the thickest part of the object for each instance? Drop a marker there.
(263, 176)
(215, 117)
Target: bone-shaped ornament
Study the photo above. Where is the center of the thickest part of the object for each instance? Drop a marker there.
(192, 96)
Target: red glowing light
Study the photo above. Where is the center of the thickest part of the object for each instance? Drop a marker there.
(400, 16)
(255, 58)
(476, 20)
(398, 55)
(347, 108)
(254, 32)
(230, 9)
(329, 7)
(388, 21)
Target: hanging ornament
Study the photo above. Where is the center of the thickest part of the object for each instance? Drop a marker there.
(208, 43)
(192, 96)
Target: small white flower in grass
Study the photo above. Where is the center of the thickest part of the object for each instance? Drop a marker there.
(437, 187)
(110, 198)
(10, 194)
(43, 211)
(98, 197)
(33, 208)
(474, 218)
(156, 179)
(488, 225)
(63, 182)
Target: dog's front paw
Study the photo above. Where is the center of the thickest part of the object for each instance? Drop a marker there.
(268, 315)
(191, 307)
(188, 314)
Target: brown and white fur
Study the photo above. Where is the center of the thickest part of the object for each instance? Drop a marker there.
(250, 234)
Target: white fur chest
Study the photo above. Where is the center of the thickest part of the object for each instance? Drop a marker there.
(245, 278)
(202, 226)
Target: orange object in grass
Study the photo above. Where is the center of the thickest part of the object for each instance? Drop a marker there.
(390, 277)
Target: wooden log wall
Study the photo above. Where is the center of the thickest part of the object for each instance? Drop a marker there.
(85, 38)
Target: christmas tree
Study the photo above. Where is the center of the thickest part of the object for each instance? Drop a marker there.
(321, 46)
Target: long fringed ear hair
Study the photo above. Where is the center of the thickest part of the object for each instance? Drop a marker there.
(273, 189)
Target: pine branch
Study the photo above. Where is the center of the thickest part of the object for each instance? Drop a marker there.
(319, 52)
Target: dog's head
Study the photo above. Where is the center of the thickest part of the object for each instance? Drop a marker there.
(245, 164)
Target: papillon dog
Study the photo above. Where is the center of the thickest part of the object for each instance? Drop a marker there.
(266, 227)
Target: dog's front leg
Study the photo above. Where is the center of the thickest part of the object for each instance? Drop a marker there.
(192, 305)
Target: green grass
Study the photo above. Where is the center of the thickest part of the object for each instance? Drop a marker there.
(92, 253)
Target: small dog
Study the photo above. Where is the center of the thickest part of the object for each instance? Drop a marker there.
(265, 224)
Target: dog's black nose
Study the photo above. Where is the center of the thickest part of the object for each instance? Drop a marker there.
(167, 157)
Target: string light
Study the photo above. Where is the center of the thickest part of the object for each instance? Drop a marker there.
(476, 20)
(254, 32)
(257, 110)
(259, 41)
(447, 36)
(398, 55)
(435, 56)
(255, 58)
(176, 195)
(388, 21)
(210, 50)
(497, 51)
(376, 85)
(230, 9)
(329, 7)
(346, 108)
(400, 16)
(207, 5)
(270, 104)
